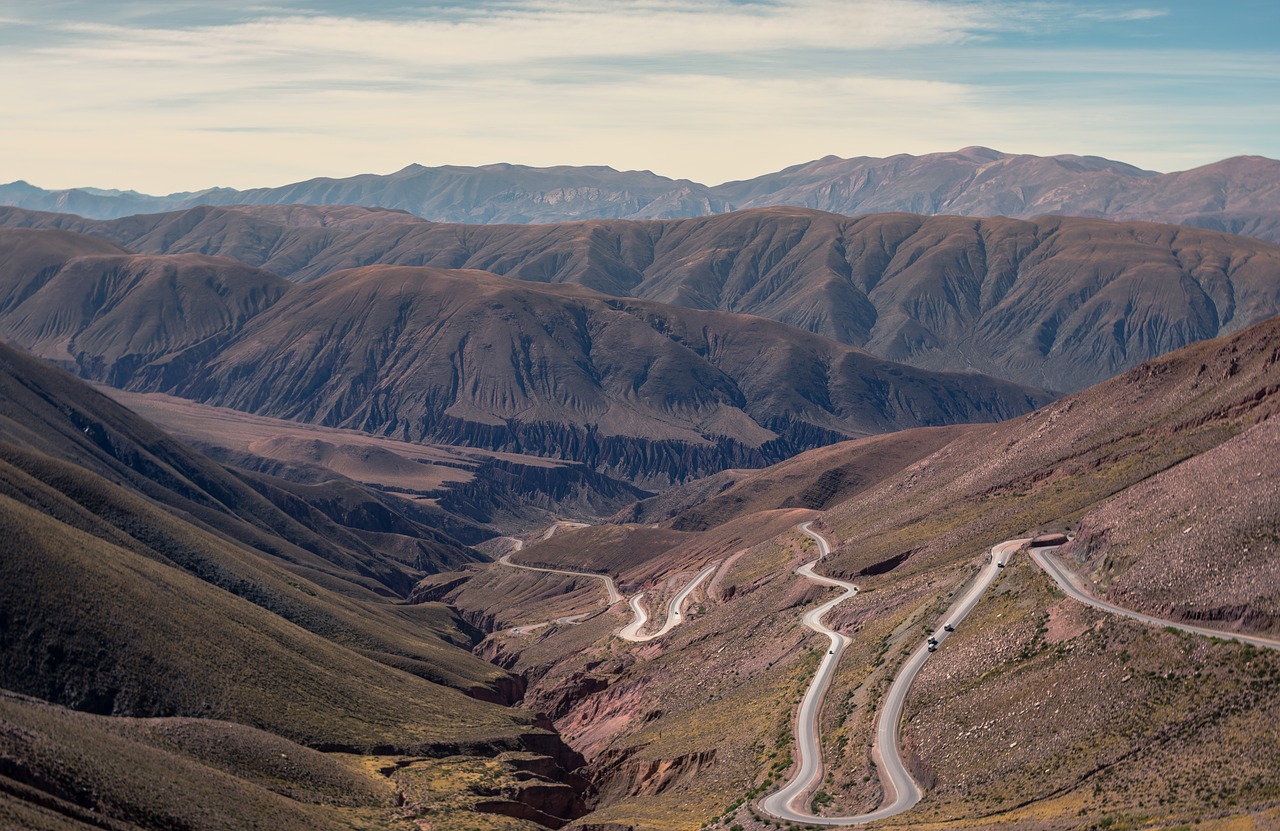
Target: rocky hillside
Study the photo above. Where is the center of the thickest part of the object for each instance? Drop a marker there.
(1241, 195)
(109, 314)
(1057, 303)
(468, 493)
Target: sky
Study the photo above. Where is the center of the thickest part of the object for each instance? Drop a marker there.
(170, 95)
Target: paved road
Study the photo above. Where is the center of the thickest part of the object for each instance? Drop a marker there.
(782, 803)
(561, 523)
(1074, 587)
(631, 632)
(567, 620)
(900, 786)
(610, 587)
(787, 803)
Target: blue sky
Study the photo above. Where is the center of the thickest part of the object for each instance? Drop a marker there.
(163, 96)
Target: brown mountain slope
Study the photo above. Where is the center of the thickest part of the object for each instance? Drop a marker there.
(138, 578)
(47, 413)
(30, 259)
(467, 493)
(1053, 302)
(1040, 713)
(73, 770)
(86, 463)
(1208, 554)
(97, 627)
(1147, 431)
(814, 480)
(629, 387)
(112, 315)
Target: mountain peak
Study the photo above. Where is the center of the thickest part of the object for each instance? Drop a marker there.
(977, 151)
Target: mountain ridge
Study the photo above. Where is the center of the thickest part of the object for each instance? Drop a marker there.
(696, 723)
(1054, 302)
(1240, 193)
(635, 389)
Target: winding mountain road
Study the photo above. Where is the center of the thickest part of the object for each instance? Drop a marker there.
(781, 804)
(610, 587)
(901, 790)
(631, 632)
(1074, 587)
(786, 803)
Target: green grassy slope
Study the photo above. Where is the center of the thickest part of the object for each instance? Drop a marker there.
(53, 413)
(94, 626)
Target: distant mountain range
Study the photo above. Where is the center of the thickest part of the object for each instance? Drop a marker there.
(1057, 303)
(1239, 195)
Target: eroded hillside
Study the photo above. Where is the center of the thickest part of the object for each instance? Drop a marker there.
(648, 393)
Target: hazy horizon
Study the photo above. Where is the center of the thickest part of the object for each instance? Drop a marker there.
(93, 187)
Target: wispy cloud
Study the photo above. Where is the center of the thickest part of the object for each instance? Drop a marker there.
(1122, 15)
(182, 95)
(545, 31)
